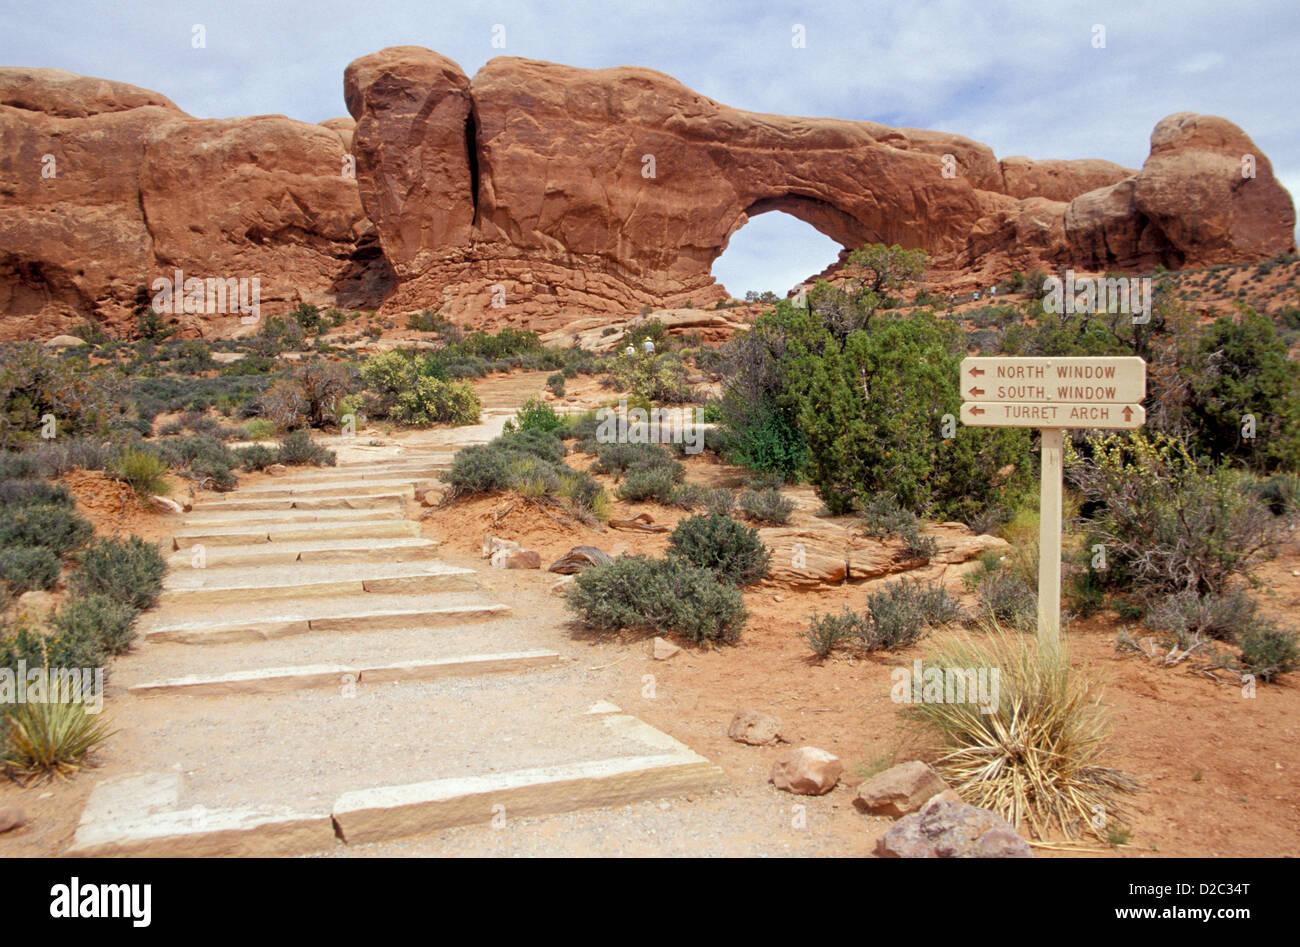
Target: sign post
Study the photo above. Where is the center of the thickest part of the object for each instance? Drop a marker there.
(1053, 395)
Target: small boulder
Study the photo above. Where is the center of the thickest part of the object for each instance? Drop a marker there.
(64, 342)
(755, 728)
(164, 505)
(561, 588)
(276, 469)
(945, 828)
(494, 544)
(664, 649)
(900, 790)
(806, 771)
(517, 559)
(579, 558)
(11, 817)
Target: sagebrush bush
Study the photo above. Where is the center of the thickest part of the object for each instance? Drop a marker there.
(481, 468)
(298, 449)
(657, 595)
(1268, 651)
(824, 633)
(535, 415)
(1006, 598)
(621, 457)
(1169, 522)
(30, 492)
(127, 570)
(1188, 616)
(642, 484)
(765, 506)
(58, 528)
(28, 568)
(903, 612)
(555, 382)
(543, 444)
(201, 458)
(257, 456)
(99, 619)
(730, 550)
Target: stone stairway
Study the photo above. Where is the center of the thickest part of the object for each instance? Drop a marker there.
(314, 676)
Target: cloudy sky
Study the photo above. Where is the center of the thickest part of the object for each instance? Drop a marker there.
(1024, 77)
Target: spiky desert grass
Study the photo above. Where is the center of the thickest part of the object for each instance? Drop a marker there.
(41, 740)
(1039, 759)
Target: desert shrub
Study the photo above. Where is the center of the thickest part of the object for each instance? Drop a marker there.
(284, 404)
(643, 484)
(25, 568)
(825, 633)
(766, 506)
(257, 456)
(298, 449)
(99, 618)
(1243, 370)
(621, 457)
(688, 496)
(881, 516)
(1039, 756)
(49, 738)
(143, 471)
(58, 528)
(582, 495)
(730, 550)
(126, 570)
(657, 595)
(1169, 523)
(1268, 651)
(1189, 617)
(200, 458)
(29, 492)
(581, 427)
(659, 378)
(1280, 493)
(555, 382)
(481, 468)
(323, 386)
(1006, 598)
(531, 476)
(259, 429)
(504, 344)
(410, 396)
(535, 415)
(543, 444)
(36, 386)
(902, 613)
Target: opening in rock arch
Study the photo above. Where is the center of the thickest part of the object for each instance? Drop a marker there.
(775, 252)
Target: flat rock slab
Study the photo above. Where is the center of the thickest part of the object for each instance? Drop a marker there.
(277, 680)
(393, 549)
(257, 534)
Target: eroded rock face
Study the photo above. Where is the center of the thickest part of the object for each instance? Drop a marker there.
(536, 192)
(108, 187)
(602, 190)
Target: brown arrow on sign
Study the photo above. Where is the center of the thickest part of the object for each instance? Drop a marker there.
(977, 391)
(1128, 413)
(977, 371)
(976, 410)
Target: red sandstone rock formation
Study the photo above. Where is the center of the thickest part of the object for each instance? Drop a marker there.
(135, 189)
(535, 191)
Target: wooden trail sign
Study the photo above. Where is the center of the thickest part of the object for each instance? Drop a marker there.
(1053, 395)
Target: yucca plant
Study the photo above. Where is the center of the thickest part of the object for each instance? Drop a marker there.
(1038, 759)
(49, 739)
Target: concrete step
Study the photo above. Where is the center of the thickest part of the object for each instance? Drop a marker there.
(395, 472)
(224, 621)
(273, 680)
(292, 532)
(305, 771)
(272, 504)
(395, 549)
(285, 488)
(204, 516)
(243, 585)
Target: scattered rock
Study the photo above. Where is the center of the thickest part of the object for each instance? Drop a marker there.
(494, 544)
(579, 558)
(755, 728)
(561, 588)
(64, 342)
(517, 558)
(11, 817)
(664, 649)
(165, 505)
(276, 469)
(950, 829)
(900, 789)
(807, 771)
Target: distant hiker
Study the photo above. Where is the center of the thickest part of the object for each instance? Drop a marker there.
(629, 351)
(649, 347)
